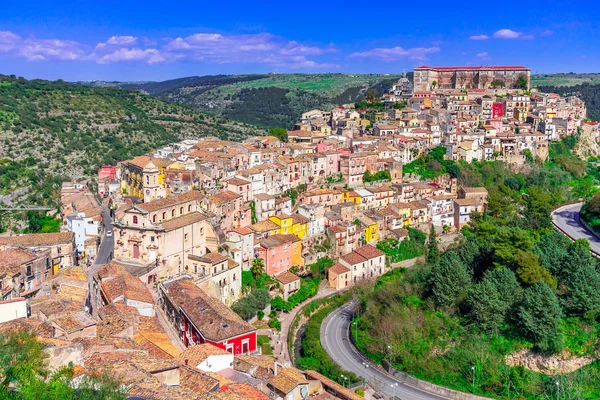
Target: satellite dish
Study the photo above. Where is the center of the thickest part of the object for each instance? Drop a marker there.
(304, 392)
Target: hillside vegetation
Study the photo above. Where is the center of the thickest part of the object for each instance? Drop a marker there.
(55, 131)
(264, 100)
(564, 79)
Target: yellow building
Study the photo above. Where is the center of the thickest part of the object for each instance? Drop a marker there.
(370, 229)
(144, 177)
(300, 225)
(520, 114)
(297, 258)
(404, 211)
(351, 196)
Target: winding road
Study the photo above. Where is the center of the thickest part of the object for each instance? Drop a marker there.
(335, 337)
(566, 218)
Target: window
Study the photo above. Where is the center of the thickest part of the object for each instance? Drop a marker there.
(181, 211)
(195, 268)
(234, 277)
(172, 212)
(152, 238)
(202, 231)
(28, 270)
(164, 215)
(135, 219)
(215, 270)
(189, 208)
(154, 219)
(185, 237)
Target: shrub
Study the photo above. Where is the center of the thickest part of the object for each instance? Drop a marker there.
(275, 324)
(260, 314)
(360, 392)
(248, 306)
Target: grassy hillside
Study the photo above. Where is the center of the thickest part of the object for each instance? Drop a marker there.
(265, 100)
(53, 131)
(564, 79)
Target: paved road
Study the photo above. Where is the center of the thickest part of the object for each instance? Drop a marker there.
(567, 219)
(107, 245)
(335, 337)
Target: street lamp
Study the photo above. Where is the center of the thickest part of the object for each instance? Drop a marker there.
(394, 390)
(344, 380)
(473, 369)
(389, 354)
(366, 366)
(355, 332)
(557, 389)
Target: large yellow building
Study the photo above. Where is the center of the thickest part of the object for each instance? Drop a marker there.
(291, 224)
(144, 177)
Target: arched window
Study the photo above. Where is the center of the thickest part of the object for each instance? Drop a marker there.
(164, 215)
(135, 219)
(154, 218)
(189, 208)
(172, 212)
(181, 211)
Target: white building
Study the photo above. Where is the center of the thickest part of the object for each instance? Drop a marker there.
(83, 228)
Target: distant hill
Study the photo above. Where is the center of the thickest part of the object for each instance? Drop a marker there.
(564, 79)
(53, 131)
(264, 100)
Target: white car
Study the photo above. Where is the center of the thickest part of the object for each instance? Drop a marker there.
(108, 233)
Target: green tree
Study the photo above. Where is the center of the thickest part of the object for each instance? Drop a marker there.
(371, 96)
(434, 84)
(530, 271)
(367, 176)
(279, 133)
(450, 281)
(538, 205)
(506, 283)
(539, 316)
(433, 251)
(522, 82)
(258, 267)
(554, 252)
(486, 306)
(25, 375)
(583, 289)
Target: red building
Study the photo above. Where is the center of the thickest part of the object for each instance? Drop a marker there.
(107, 171)
(200, 318)
(497, 110)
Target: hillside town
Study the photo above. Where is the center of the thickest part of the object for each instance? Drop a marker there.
(153, 256)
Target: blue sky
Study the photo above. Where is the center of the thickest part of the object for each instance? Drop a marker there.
(151, 40)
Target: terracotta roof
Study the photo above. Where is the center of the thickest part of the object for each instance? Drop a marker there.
(400, 232)
(474, 189)
(242, 231)
(287, 379)
(214, 319)
(143, 161)
(74, 322)
(278, 240)
(238, 181)
(264, 226)
(115, 282)
(287, 277)
(467, 202)
(38, 239)
(182, 221)
(338, 269)
(224, 197)
(12, 259)
(353, 258)
(299, 219)
(194, 355)
(247, 391)
(170, 201)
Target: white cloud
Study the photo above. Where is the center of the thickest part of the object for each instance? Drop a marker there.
(479, 37)
(547, 32)
(246, 48)
(151, 56)
(261, 48)
(481, 55)
(397, 53)
(507, 34)
(34, 49)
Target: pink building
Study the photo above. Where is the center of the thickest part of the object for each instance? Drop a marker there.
(107, 171)
(276, 251)
(333, 163)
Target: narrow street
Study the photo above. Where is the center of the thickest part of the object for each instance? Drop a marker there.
(107, 244)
